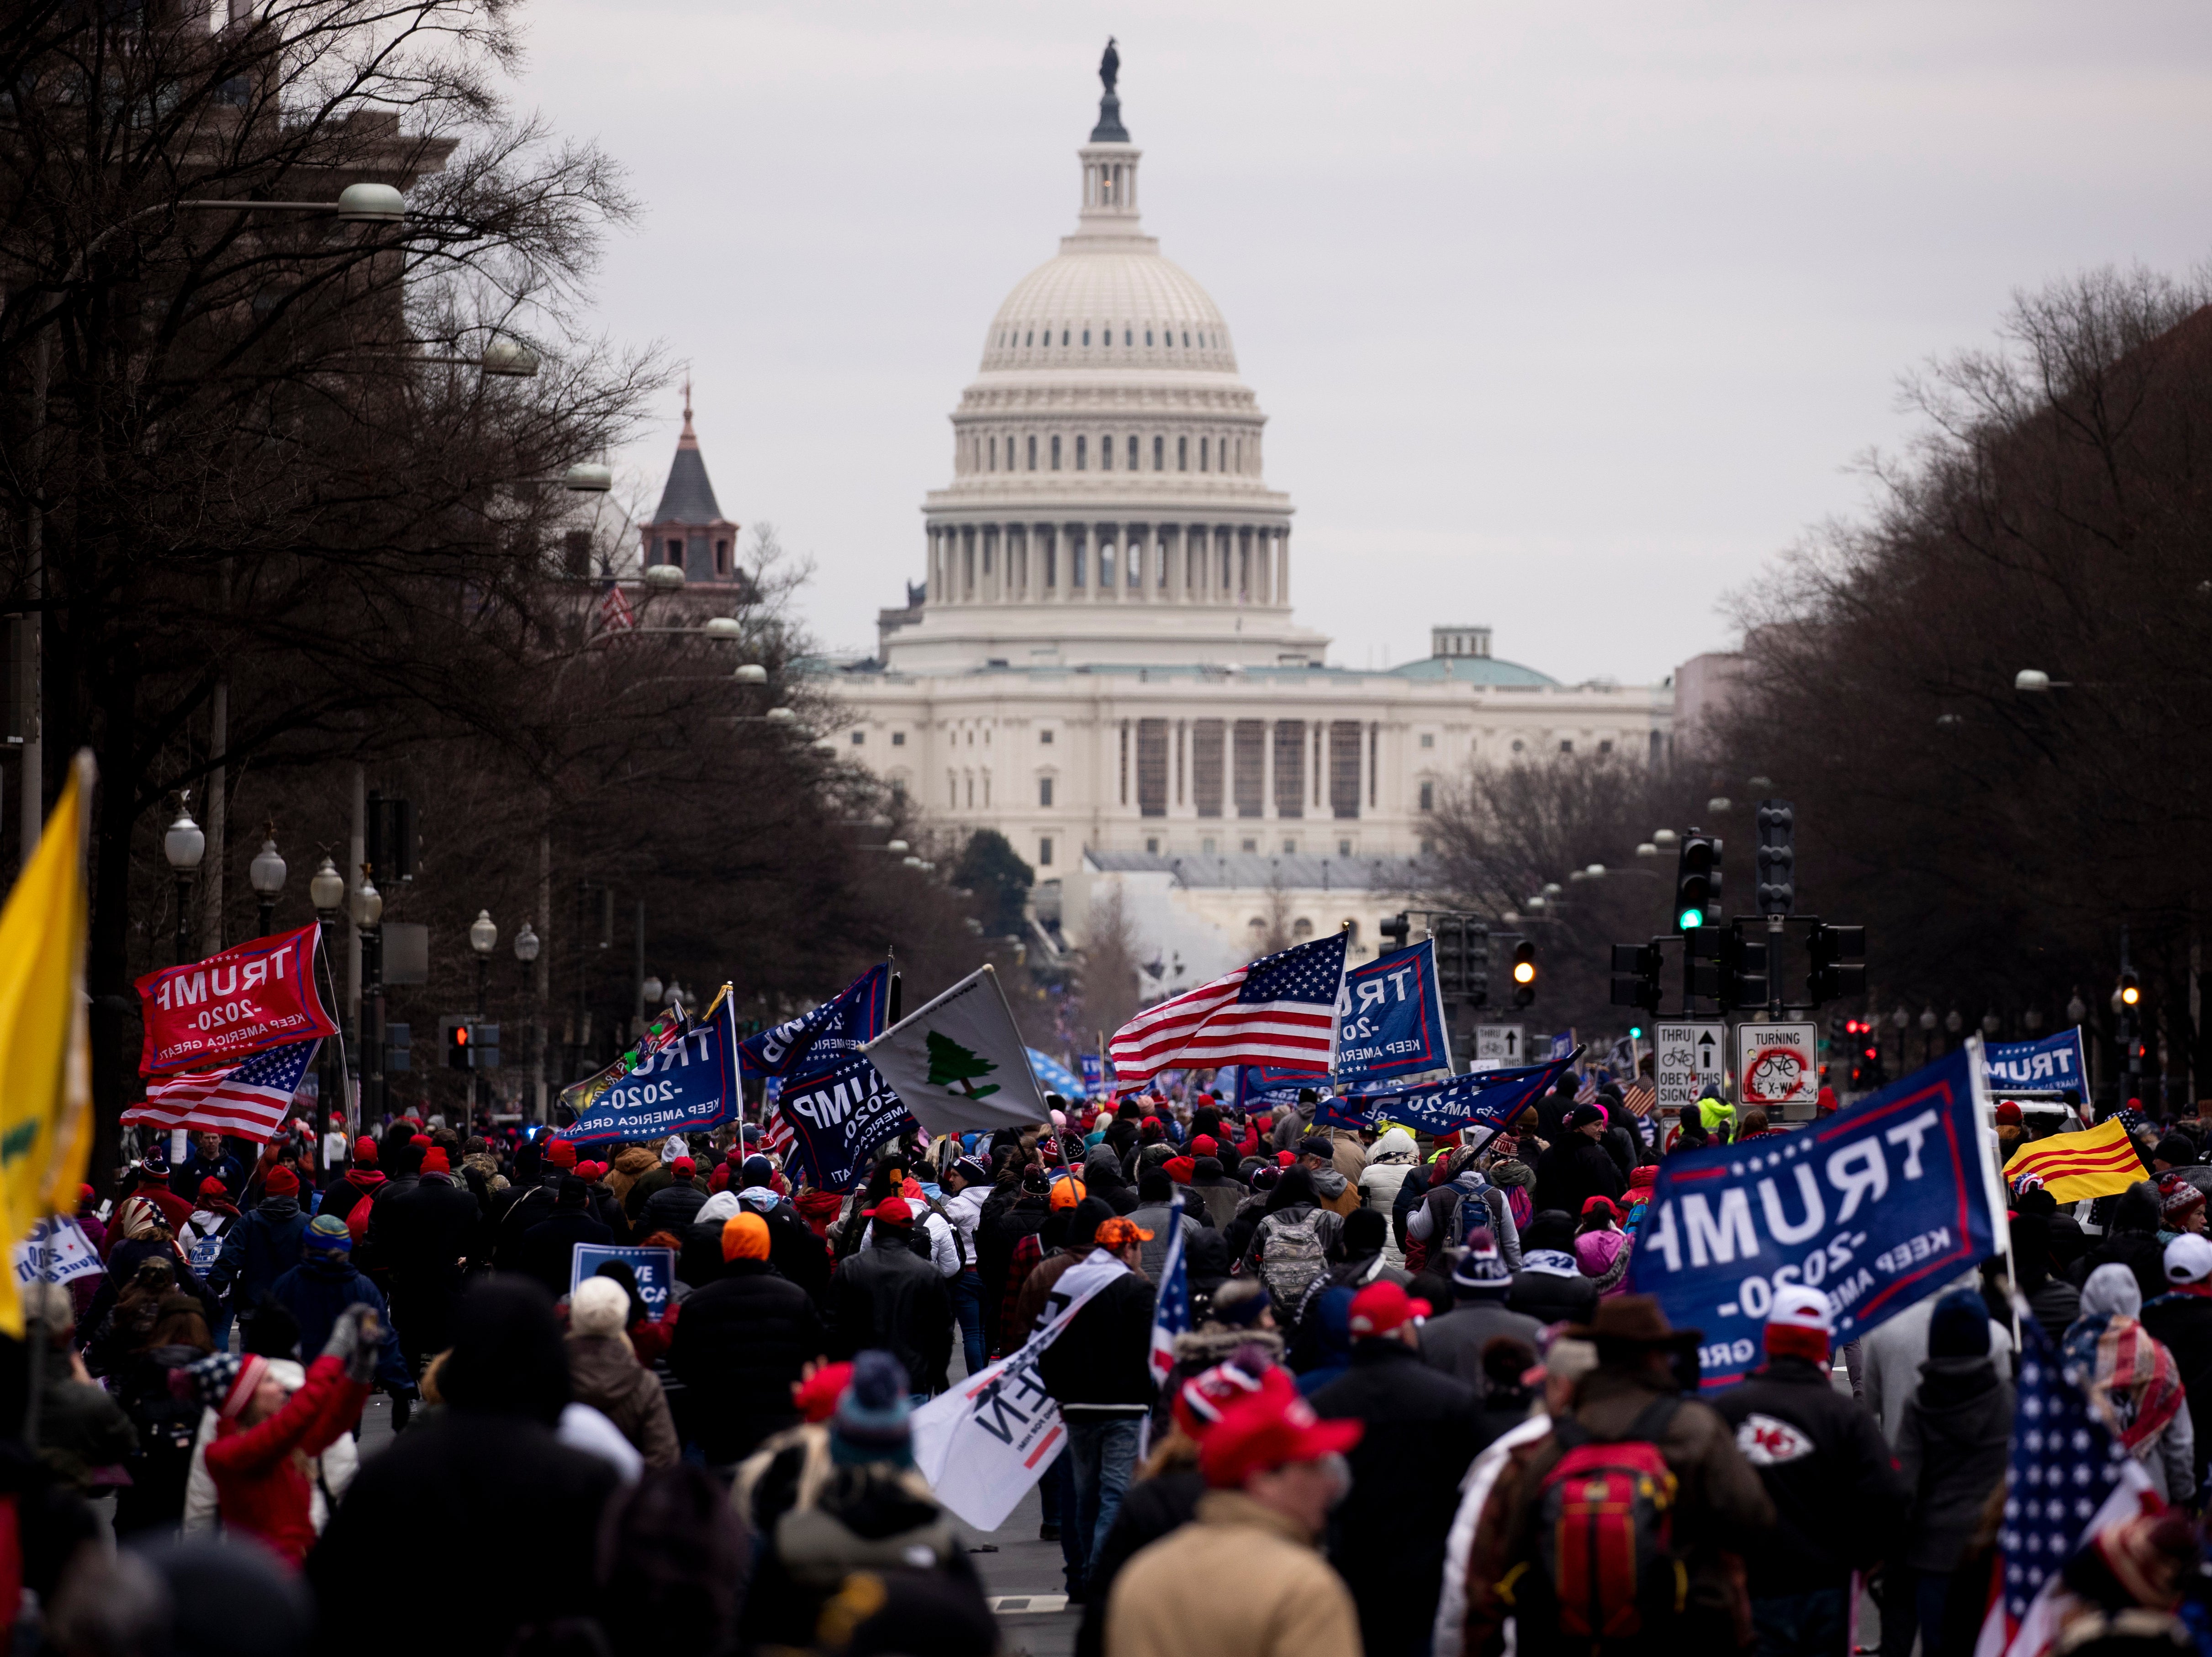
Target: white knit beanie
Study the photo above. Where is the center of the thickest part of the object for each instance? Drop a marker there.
(600, 1306)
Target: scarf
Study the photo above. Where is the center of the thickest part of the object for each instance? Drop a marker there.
(2132, 1382)
(1550, 1262)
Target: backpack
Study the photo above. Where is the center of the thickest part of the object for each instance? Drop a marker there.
(1473, 1210)
(1293, 1255)
(1605, 1567)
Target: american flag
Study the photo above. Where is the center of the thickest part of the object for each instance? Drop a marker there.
(1280, 1010)
(1172, 1305)
(249, 1100)
(1639, 1098)
(614, 614)
(776, 1131)
(2068, 1481)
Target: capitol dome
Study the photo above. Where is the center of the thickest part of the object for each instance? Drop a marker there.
(1108, 503)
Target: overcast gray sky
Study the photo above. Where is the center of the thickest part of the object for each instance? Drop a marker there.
(1567, 320)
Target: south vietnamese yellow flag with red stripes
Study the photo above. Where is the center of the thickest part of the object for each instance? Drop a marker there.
(2101, 1162)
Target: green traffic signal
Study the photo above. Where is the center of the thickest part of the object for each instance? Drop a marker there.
(1690, 919)
(1636, 1032)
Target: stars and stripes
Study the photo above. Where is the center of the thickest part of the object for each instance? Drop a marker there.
(1639, 1096)
(2067, 1481)
(777, 1134)
(1280, 1010)
(615, 613)
(249, 1100)
(1172, 1305)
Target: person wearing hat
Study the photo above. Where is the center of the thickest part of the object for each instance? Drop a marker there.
(1387, 1538)
(1839, 1501)
(1632, 1395)
(319, 1289)
(1550, 1286)
(2181, 1321)
(967, 1184)
(1454, 1343)
(262, 1246)
(1245, 1576)
(2180, 1207)
(743, 1341)
(267, 1431)
(348, 1196)
(672, 1206)
(603, 1369)
(1099, 1371)
(1954, 1445)
(423, 1238)
(1164, 1496)
(1577, 1167)
(885, 1297)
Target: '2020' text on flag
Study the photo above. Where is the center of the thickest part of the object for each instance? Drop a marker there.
(1280, 1011)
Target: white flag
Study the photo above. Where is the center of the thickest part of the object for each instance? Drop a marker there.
(959, 1062)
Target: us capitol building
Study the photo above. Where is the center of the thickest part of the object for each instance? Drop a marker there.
(1103, 664)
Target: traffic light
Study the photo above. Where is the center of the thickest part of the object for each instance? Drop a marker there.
(1742, 971)
(1462, 944)
(1524, 972)
(1397, 927)
(1701, 971)
(484, 1046)
(2130, 990)
(1698, 881)
(1636, 977)
(1777, 888)
(1839, 963)
(457, 1043)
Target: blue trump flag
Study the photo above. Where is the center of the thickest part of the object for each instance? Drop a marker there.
(818, 1042)
(687, 1086)
(1259, 1087)
(2051, 1065)
(1488, 1098)
(1877, 1206)
(1390, 1017)
(839, 1117)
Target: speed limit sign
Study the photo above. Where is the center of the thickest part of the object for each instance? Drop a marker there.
(1778, 1065)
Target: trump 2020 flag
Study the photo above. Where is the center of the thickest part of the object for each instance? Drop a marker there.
(1877, 1206)
(1486, 1098)
(827, 1037)
(1392, 1018)
(687, 1085)
(1280, 1010)
(959, 1062)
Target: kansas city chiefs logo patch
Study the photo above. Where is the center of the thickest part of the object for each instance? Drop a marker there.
(1767, 1442)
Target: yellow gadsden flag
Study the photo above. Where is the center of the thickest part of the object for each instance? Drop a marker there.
(2101, 1162)
(46, 1059)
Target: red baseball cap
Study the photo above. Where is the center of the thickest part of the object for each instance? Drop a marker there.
(1205, 1144)
(561, 1153)
(1200, 1402)
(684, 1166)
(817, 1396)
(1382, 1307)
(892, 1211)
(1266, 1432)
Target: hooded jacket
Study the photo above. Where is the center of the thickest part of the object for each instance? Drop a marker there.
(1952, 1449)
(1392, 1157)
(742, 1341)
(606, 1375)
(886, 1296)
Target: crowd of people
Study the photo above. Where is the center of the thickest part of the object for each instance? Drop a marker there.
(1416, 1408)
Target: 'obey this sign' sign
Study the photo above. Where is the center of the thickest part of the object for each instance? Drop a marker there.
(229, 1006)
(1875, 1206)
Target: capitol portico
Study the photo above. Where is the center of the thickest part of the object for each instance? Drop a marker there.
(1101, 662)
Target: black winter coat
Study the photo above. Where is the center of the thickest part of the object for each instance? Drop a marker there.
(2141, 1251)
(549, 1248)
(521, 1497)
(886, 1295)
(1387, 1538)
(741, 1342)
(1839, 1500)
(1573, 1170)
(672, 1208)
(1454, 1342)
(2182, 1323)
(1102, 1358)
(1549, 1298)
(1952, 1449)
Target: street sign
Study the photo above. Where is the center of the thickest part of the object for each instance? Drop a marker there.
(1506, 1043)
(1778, 1065)
(1686, 1057)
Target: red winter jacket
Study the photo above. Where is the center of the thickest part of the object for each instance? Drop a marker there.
(258, 1485)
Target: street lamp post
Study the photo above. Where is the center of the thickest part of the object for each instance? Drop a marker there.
(184, 846)
(483, 938)
(368, 916)
(1928, 1036)
(266, 875)
(526, 946)
(327, 892)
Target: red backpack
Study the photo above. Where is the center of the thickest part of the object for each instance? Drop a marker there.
(1605, 1568)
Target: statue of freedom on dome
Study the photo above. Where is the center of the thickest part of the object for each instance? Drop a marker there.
(1109, 66)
